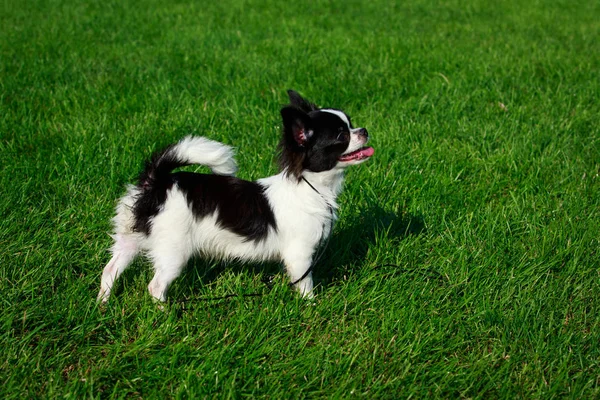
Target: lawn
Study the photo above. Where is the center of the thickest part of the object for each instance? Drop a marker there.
(465, 261)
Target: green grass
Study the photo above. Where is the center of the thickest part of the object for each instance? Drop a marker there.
(465, 261)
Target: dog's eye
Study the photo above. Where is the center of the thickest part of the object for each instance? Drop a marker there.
(341, 136)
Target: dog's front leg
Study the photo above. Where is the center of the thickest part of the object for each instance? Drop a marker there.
(297, 267)
(304, 286)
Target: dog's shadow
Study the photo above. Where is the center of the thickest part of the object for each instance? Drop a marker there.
(343, 252)
(350, 244)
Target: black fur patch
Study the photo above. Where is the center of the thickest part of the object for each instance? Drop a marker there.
(148, 204)
(154, 182)
(242, 205)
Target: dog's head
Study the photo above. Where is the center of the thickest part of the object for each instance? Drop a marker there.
(319, 139)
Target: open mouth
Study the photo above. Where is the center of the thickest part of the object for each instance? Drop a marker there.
(361, 154)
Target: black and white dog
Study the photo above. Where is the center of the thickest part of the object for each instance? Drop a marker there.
(172, 216)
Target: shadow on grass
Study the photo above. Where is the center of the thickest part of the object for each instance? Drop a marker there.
(350, 245)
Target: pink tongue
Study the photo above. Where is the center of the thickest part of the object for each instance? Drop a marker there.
(368, 152)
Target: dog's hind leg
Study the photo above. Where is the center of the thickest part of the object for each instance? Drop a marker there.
(124, 251)
(168, 266)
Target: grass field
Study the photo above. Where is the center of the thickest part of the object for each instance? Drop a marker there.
(465, 260)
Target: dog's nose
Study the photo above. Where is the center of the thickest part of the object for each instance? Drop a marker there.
(363, 132)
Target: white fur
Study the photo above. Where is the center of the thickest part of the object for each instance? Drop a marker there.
(202, 151)
(303, 217)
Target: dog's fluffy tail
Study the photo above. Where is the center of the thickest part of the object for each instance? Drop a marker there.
(189, 151)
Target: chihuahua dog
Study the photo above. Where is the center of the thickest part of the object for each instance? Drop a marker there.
(172, 216)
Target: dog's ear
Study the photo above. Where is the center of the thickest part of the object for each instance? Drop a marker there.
(300, 102)
(297, 129)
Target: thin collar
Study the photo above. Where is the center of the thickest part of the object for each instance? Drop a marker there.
(329, 206)
(311, 186)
